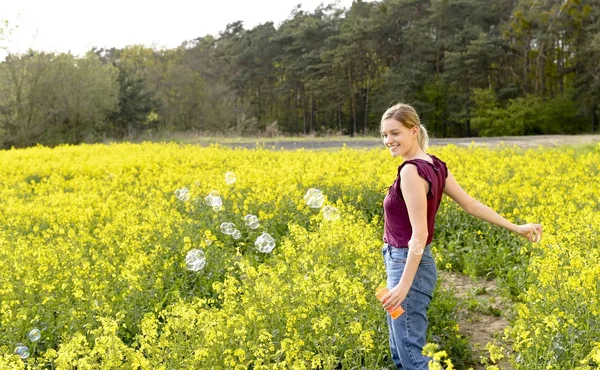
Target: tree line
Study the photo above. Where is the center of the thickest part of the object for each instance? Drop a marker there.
(470, 67)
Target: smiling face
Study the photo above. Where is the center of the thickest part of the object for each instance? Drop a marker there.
(399, 139)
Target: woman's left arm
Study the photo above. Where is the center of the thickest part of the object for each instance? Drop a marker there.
(414, 190)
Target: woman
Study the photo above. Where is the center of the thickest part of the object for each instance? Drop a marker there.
(409, 209)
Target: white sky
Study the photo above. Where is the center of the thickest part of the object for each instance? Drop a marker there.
(79, 25)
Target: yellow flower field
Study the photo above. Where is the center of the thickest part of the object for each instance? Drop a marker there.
(94, 240)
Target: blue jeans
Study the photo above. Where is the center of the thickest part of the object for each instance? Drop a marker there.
(408, 332)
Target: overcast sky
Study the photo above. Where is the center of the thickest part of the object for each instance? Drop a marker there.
(79, 25)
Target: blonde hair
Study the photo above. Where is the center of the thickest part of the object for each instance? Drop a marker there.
(408, 117)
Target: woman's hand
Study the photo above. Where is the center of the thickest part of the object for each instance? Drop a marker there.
(394, 297)
(532, 232)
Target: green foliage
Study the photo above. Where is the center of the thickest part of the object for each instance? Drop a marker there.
(523, 116)
(330, 70)
(51, 99)
(487, 115)
(136, 103)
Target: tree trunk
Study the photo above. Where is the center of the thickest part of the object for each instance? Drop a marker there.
(594, 118)
(259, 106)
(540, 83)
(469, 128)
(352, 102)
(560, 66)
(312, 113)
(542, 74)
(295, 110)
(366, 123)
(444, 124)
(339, 116)
(525, 63)
(304, 110)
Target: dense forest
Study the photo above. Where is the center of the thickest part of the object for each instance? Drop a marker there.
(470, 67)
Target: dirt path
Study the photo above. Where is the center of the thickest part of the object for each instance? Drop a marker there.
(481, 313)
(521, 141)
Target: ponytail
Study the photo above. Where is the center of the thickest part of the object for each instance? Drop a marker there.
(423, 138)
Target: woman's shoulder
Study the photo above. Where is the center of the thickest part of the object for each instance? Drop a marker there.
(438, 164)
(436, 159)
(422, 164)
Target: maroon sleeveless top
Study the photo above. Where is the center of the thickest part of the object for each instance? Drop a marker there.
(397, 228)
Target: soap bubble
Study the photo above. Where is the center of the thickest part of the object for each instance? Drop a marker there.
(251, 221)
(236, 234)
(195, 260)
(22, 351)
(228, 228)
(230, 178)
(265, 243)
(314, 198)
(331, 213)
(208, 241)
(182, 194)
(213, 199)
(34, 335)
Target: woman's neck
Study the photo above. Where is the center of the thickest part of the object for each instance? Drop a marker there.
(415, 153)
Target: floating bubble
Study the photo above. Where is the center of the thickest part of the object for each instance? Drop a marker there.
(331, 213)
(314, 198)
(213, 199)
(208, 241)
(251, 221)
(230, 178)
(415, 247)
(249, 218)
(22, 351)
(34, 335)
(195, 260)
(208, 200)
(182, 194)
(236, 234)
(228, 228)
(265, 243)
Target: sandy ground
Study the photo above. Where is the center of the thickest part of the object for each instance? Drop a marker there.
(478, 300)
(521, 141)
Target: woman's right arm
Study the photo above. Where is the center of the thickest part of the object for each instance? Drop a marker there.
(533, 232)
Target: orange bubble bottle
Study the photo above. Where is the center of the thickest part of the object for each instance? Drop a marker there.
(395, 313)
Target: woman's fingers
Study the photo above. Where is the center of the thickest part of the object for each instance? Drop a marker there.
(384, 299)
(535, 233)
(388, 301)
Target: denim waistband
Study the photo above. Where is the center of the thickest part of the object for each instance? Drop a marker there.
(389, 246)
(393, 246)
